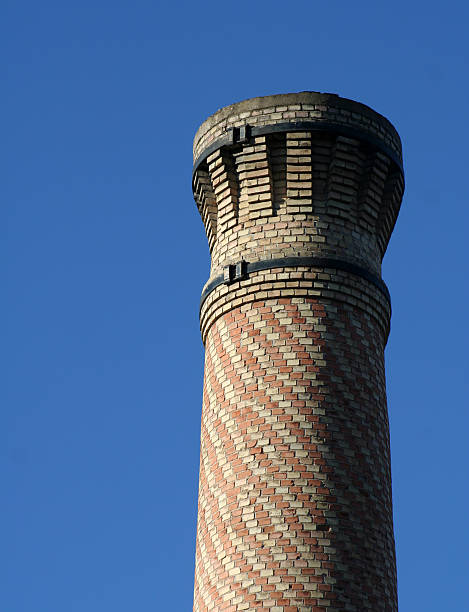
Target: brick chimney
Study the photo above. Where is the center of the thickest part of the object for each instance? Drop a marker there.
(299, 194)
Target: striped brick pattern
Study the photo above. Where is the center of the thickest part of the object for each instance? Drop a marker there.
(295, 508)
(294, 504)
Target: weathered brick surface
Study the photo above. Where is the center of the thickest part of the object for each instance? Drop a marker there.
(304, 106)
(295, 509)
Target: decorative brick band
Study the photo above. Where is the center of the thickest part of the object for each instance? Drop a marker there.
(239, 135)
(240, 271)
(327, 284)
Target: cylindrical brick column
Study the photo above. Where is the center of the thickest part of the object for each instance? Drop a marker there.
(299, 194)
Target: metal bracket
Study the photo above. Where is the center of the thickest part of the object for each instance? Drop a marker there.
(234, 272)
(239, 135)
(241, 271)
(228, 274)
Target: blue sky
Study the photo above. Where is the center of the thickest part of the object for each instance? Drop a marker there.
(106, 258)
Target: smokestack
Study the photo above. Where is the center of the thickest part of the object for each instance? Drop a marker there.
(299, 194)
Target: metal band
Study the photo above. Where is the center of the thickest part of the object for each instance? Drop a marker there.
(240, 271)
(300, 126)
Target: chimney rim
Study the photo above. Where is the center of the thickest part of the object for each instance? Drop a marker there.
(288, 99)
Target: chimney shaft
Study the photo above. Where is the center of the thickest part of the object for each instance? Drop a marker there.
(299, 194)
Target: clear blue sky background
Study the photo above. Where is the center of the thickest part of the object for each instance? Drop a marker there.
(106, 257)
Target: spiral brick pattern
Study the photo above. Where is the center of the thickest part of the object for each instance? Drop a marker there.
(295, 508)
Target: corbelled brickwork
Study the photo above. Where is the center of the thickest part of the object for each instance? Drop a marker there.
(299, 194)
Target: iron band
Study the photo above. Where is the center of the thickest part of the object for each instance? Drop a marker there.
(240, 271)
